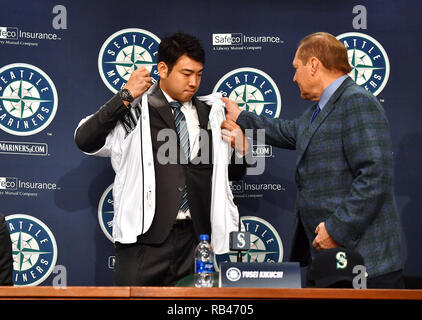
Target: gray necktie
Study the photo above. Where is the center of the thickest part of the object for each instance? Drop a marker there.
(181, 127)
(182, 131)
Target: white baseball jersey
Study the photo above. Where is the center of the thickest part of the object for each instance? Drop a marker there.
(132, 160)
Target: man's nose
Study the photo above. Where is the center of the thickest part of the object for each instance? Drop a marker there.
(193, 81)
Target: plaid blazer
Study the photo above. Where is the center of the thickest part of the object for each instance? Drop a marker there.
(344, 176)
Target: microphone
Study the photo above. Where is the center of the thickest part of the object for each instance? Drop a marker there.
(240, 241)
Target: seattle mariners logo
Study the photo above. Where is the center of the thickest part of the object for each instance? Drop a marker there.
(252, 90)
(368, 59)
(28, 99)
(124, 52)
(34, 249)
(233, 274)
(266, 245)
(106, 212)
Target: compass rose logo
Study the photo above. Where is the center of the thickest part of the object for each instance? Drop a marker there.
(106, 212)
(368, 59)
(34, 249)
(28, 99)
(125, 51)
(266, 245)
(252, 89)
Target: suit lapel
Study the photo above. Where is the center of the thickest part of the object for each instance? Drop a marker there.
(157, 100)
(311, 128)
(203, 112)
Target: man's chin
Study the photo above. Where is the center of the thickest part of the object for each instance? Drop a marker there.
(309, 97)
(187, 96)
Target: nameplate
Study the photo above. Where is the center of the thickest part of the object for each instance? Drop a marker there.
(260, 275)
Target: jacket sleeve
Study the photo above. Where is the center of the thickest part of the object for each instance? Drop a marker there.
(368, 152)
(92, 132)
(237, 167)
(278, 132)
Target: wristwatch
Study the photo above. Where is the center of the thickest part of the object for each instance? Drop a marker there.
(125, 95)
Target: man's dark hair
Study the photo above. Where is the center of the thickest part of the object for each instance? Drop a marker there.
(173, 47)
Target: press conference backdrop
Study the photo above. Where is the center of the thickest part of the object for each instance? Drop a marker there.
(61, 60)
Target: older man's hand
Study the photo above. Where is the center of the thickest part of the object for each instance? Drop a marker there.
(232, 109)
(323, 240)
(232, 133)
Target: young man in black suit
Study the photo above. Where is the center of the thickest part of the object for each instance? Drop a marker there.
(165, 252)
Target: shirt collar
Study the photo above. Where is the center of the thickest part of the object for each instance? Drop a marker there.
(187, 104)
(329, 91)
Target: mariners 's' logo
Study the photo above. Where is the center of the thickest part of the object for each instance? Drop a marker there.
(34, 249)
(368, 59)
(266, 245)
(252, 90)
(106, 212)
(124, 52)
(28, 99)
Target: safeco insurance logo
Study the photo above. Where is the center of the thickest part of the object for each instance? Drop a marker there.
(8, 183)
(10, 33)
(225, 42)
(34, 249)
(28, 99)
(225, 39)
(125, 51)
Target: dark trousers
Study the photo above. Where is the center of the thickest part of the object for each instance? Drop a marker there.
(164, 264)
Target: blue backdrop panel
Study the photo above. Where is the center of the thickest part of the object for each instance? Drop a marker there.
(48, 46)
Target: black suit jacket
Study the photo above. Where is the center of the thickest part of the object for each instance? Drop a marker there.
(6, 260)
(172, 177)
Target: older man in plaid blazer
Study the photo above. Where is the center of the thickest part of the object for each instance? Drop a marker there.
(344, 167)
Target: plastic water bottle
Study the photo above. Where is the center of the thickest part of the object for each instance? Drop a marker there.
(204, 263)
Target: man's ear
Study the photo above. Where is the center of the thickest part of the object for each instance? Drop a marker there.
(314, 64)
(162, 69)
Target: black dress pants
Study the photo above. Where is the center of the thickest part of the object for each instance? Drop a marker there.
(162, 264)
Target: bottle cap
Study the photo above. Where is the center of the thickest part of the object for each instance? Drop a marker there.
(203, 237)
